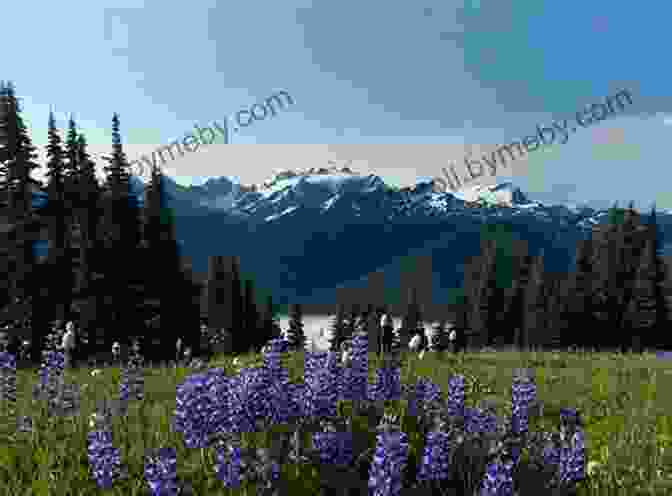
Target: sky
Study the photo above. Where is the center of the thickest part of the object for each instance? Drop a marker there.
(401, 89)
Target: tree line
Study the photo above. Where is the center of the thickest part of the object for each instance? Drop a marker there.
(114, 267)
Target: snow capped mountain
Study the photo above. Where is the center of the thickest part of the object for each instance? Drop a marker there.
(339, 192)
(285, 229)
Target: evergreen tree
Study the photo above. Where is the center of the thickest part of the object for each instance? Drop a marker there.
(251, 317)
(535, 304)
(515, 314)
(411, 322)
(576, 313)
(351, 320)
(296, 338)
(488, 302)
(17, 160)
(87, 203)
(337, 330)
(59, 259)
(270, 328)
(461, 324)
(648, 314)
(122, 235)
(219, 301)
(241, 342)
(18, 155)
(175, 296)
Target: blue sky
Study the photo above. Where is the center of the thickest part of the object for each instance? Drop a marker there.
(400, 88)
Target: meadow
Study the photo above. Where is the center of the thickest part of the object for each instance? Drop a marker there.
(624, 401)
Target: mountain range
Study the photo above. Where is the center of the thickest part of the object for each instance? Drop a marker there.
(324, 235)
(328, 235)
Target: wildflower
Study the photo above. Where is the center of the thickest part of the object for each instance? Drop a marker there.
(478, 421)
(434, 463)
(161, 472)
(356, 376)
(572, 466)
(198, 409)
(387, 385)
(7, 377)
(321, 375)
(498, 480)
(389, 461)
(425, 391)
(455, 402)
(523, 394)
(229, 471)
(104, 459)
(333, 446)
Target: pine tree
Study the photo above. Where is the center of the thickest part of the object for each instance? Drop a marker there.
(515, 314)
(17, 160)
(219, 301)
(411, 322)
(577, 313)
(17, 154)
(536, 305)
(59, 259)
(351, 320)
(648, 314)
(487, 302)
(241, 343)
(337, 330)
(251, 317)
(270, 328)
(122, 235)
(174, 293)
(461, 324)
(295, 335)
(87, 202)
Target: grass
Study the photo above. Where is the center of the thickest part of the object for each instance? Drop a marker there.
(624, 400)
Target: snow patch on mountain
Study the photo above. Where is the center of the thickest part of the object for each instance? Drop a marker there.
(502, 194)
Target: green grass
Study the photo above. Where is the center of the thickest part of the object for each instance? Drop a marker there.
(625, 401)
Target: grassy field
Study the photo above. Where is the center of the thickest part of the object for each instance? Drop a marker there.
(625, 401)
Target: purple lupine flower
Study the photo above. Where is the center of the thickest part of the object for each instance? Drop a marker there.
(389, 461)
(498, 480)
(245, 401)
(523, 393)
(228, 470)
(7, 377)
(570, 421)
(104, 459)
(278, 398)
(132, 381)
(479, 421)
(356, 376)
(334, 446)
(272, 359)
(161, 472)
(424, 392)
(455, 401)
(321, 378)
(50, 374)
(550, 454)
(434, 463)
(197, 408)
(572, 460)
(387, 385)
